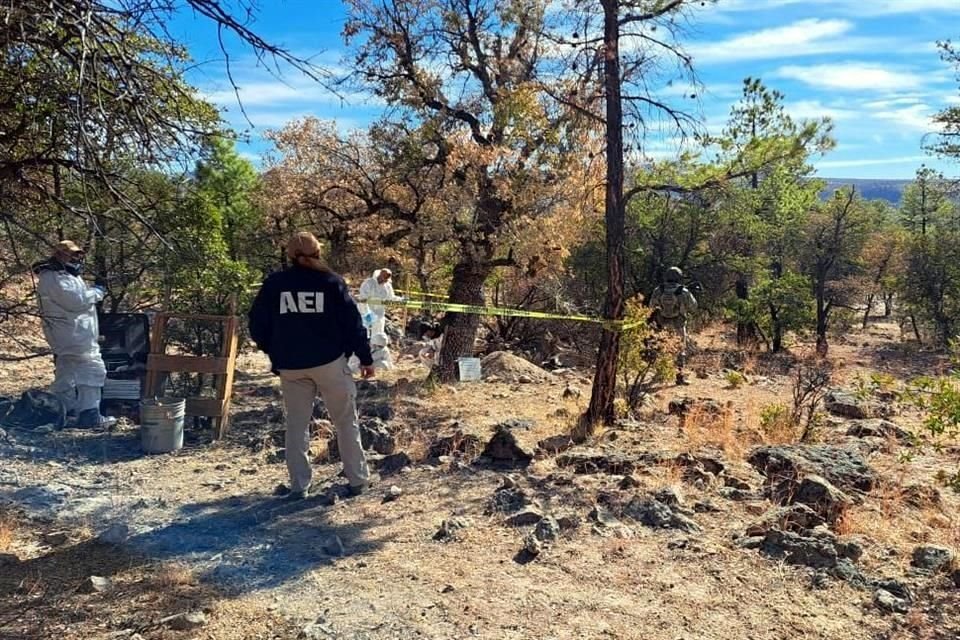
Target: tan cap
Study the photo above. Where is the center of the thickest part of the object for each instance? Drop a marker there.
(68, 246)
(303, 244)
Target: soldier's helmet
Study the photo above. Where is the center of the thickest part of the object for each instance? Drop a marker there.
(673, 275)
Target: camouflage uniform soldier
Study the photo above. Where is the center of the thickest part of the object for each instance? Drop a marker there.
(672, 303)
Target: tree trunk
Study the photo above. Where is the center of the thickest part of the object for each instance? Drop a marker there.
(746, 331)
(822, 312)
(866, 314)
(776, 330)
(888, 305)
(460, 329)
(601, 408)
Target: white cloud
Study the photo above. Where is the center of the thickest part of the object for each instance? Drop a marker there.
(852, 76)
(807, 37)
(916, 118)
(814, 109)
(855, 7)
(864, 162)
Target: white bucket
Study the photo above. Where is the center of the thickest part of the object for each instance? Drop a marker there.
(161, 424)
(469, 369)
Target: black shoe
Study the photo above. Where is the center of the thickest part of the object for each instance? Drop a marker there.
(358, 490)
(284, 491)
(91, 419)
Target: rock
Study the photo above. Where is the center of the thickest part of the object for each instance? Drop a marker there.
(117, 533)
(508, 500)
(379, 410)
(705, 506)
(571, 393)
(96, 584)
(468, 445)
(932, 558)
(525, 518)
(707, 463)
(531, 545)
(737, 495)
(955, 576)
(393, 463)
(751, 542)
(510, 481)
(188, 621)
(886, 601)
(56, 538)
(603, 516)
(450, 529)
(556, 444)
(505, 448)
(524, 379)
(658, 515)
(849, 405)
(922, 496)
(895, 587)
(818, 494)
(844, 468)
(569, 522)
(628, 482)
(393, 493)
(590, 461)
(317, 631)
(685, 405)
(878, 428)
(547, 530)
(333, 546)
(669, 496)
(374, 436)
(794, 548)
(796, 518)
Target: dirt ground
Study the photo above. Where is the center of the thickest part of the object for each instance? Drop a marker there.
(204, 532)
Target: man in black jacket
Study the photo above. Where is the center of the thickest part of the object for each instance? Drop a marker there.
(306, 321)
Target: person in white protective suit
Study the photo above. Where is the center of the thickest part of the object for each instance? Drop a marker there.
(69, 313)
(376, 287)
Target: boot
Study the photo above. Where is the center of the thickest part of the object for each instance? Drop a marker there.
(681, 380)
(91, 419)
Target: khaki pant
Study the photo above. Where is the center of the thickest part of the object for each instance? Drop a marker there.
(334, 383)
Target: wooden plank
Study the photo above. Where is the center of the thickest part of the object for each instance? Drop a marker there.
(187, 364)
(208, 407)
(154, 380)
(197, 316)
(225, 382)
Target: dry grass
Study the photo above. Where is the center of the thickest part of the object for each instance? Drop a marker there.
(8, 531)
(703, 427)
(174, 575)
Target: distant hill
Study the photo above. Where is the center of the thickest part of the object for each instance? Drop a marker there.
(869, 189)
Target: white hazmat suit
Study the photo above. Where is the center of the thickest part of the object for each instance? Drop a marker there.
(373, 314)
(68, 307)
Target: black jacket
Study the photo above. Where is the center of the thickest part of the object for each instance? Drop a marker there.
(303, 318)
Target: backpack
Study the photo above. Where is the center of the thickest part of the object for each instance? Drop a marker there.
(670, 307)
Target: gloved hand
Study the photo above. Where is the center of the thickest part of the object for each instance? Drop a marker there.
(101, 291)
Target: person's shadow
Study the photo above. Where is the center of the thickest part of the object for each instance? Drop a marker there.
(250, 543)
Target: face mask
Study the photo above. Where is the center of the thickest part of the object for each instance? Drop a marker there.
(75, 266)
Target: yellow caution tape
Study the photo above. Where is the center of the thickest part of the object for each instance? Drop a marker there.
(423, 294)
(453, 307)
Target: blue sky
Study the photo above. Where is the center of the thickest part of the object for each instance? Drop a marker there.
(870, 65)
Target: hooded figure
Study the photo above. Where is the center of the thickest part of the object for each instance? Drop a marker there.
(376, 288)
(672, 303)
(69, 312)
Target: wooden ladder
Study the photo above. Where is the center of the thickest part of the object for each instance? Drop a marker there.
(220, 367)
